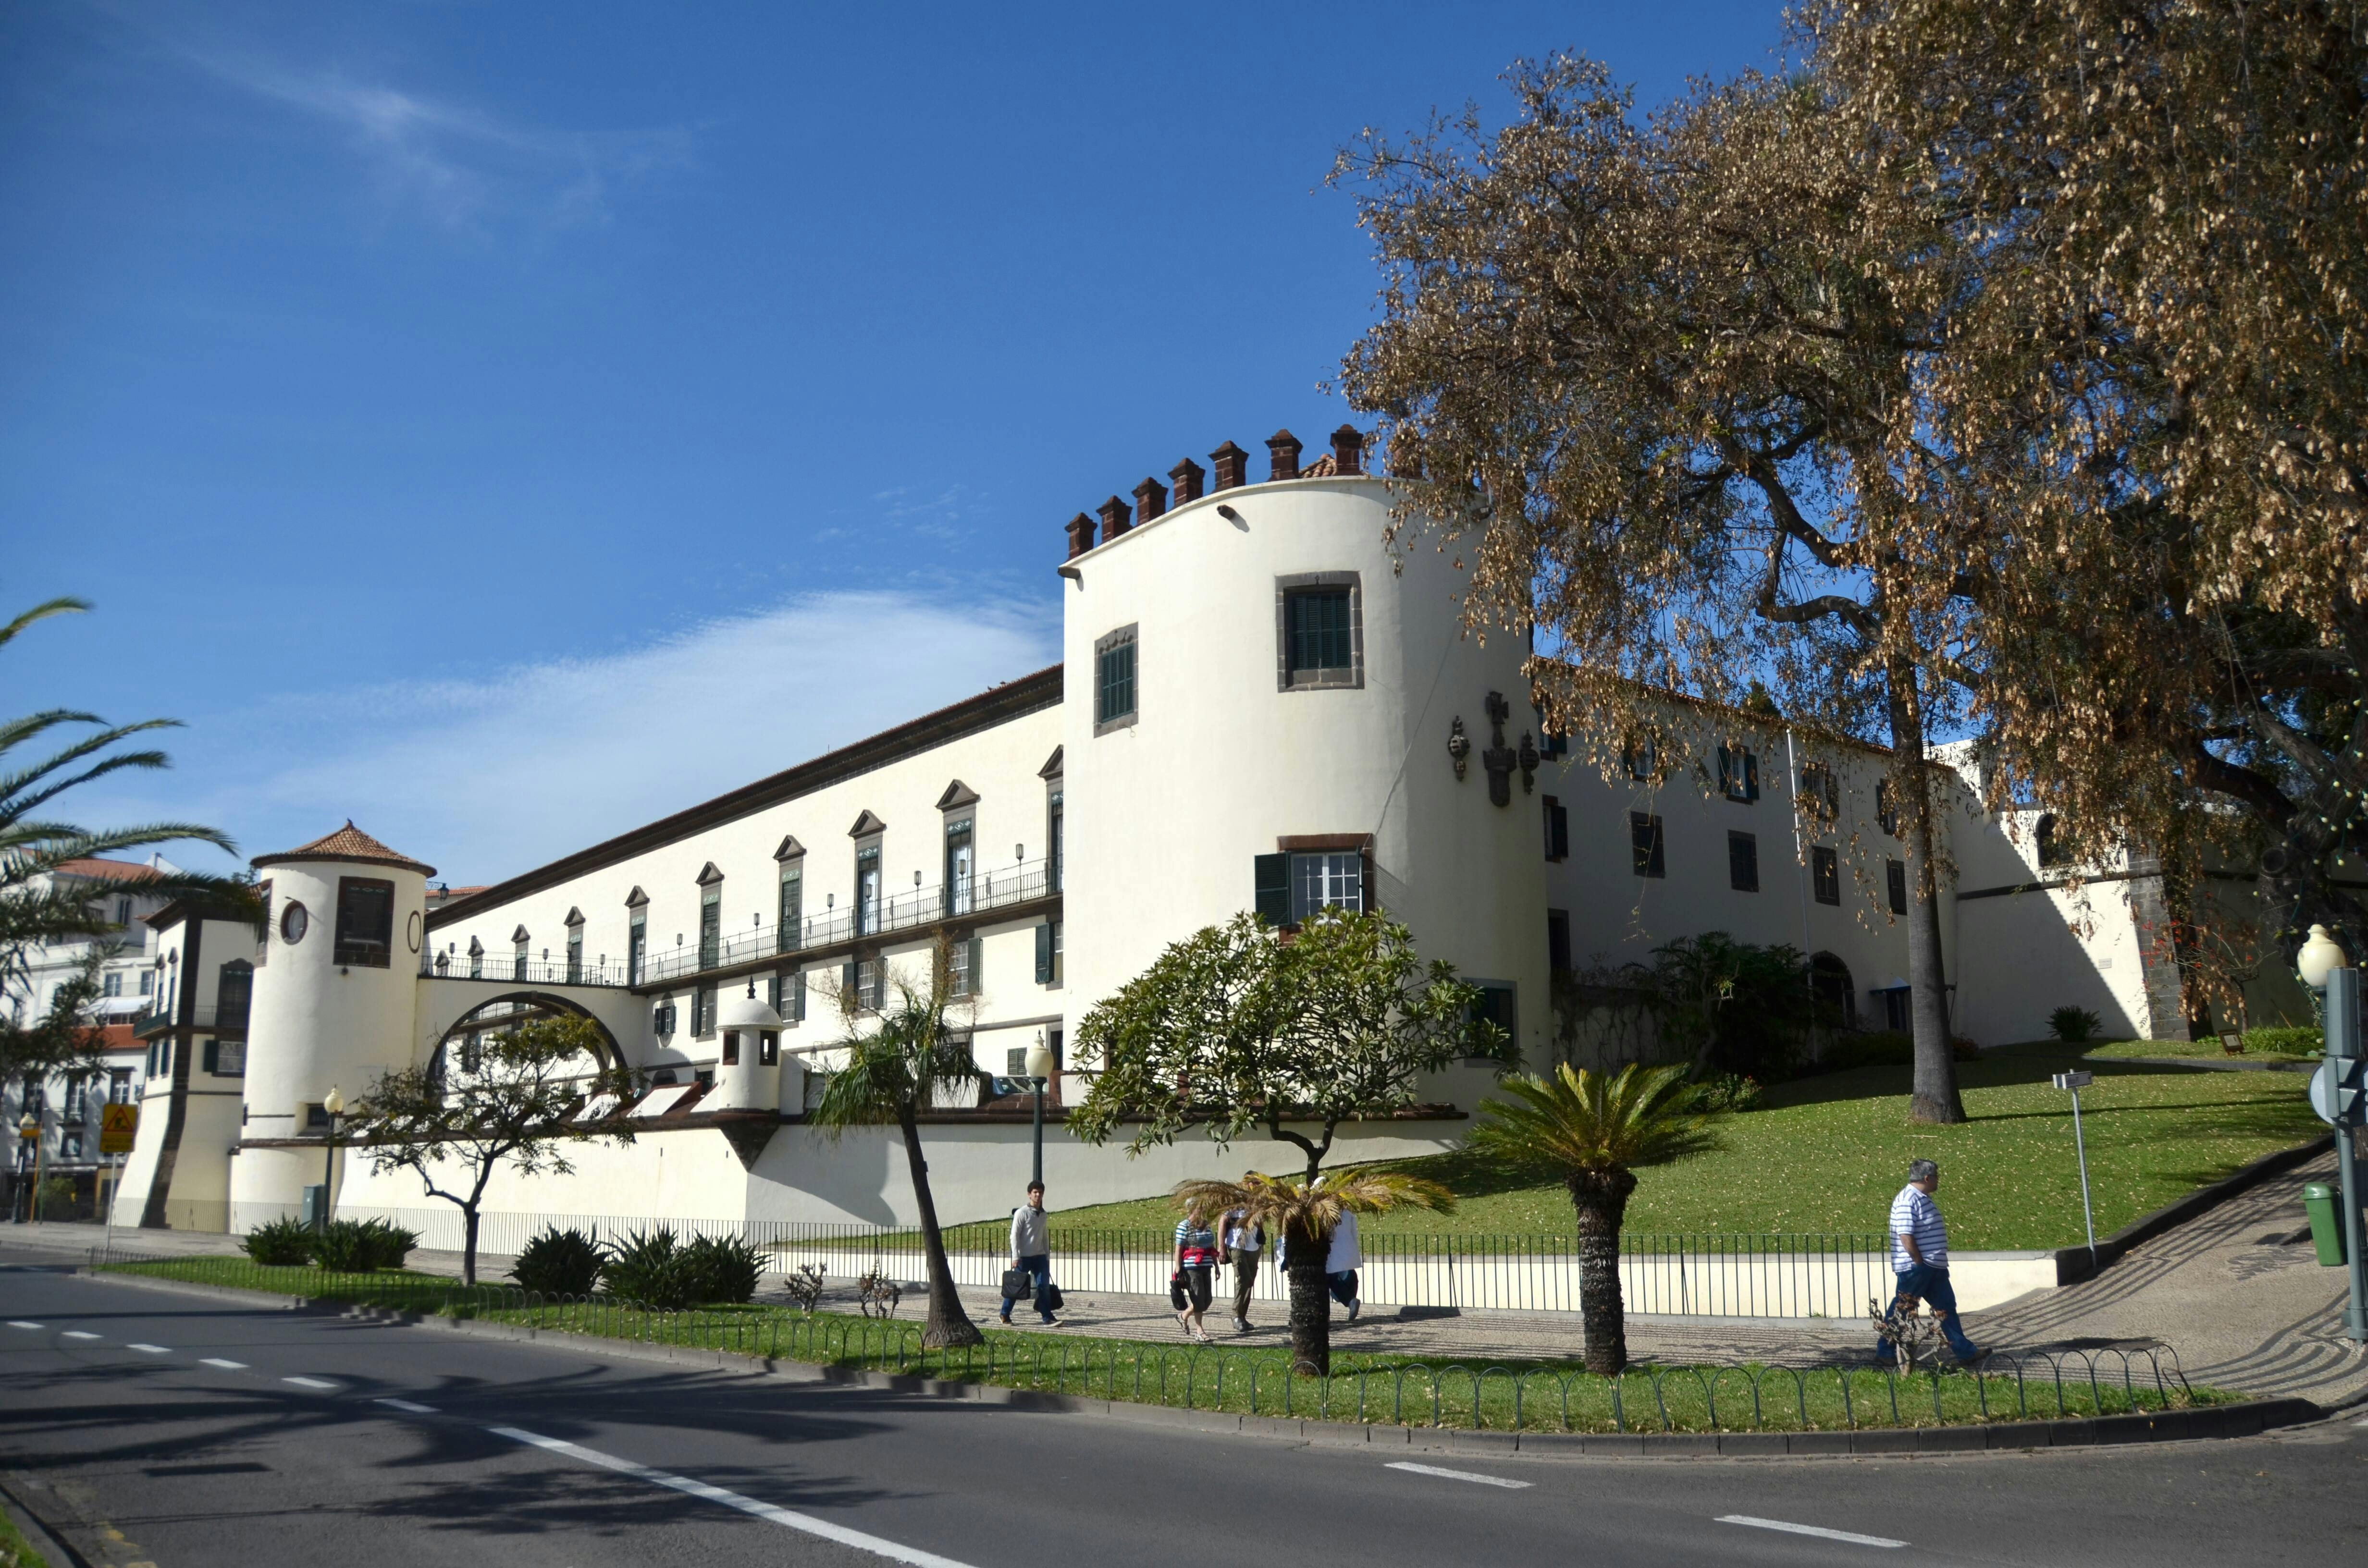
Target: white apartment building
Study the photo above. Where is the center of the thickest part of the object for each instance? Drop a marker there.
(1260, 705)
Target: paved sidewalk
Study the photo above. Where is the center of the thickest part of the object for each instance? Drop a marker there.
(2238, 1293)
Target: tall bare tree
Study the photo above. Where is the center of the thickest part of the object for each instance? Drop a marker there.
(1663, 387)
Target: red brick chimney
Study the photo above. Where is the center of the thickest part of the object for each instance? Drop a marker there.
(1081, 535)
(1282, 450)
(1114, 518)
(1150, 499)
(1348, 450)
(1232, 466)
(1187, 477)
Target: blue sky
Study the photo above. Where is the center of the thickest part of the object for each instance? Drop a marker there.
(503, 424)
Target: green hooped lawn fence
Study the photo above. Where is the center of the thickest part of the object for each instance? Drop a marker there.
(1478, 1394)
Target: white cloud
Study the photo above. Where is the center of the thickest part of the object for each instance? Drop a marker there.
(460, 166)
(485, 779)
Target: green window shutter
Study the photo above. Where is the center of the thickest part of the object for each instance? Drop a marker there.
(1044, 954)
(1725, 773)
(847, 977)
(800, 1001)
(212, 1055)
(977, 958)
(1750, 776)
(1271, 875)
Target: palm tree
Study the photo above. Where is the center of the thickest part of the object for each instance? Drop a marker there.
(1593, 1132)
(886, 1076)
(1303, 1214)
(35, 908)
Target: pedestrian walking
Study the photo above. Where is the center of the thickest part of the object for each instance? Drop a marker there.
(1340, 1265)
(1196, 1260)
(1920, 1256)
(1031, 1256)
(1244, 1245)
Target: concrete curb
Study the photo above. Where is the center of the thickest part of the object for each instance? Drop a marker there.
(2218, 1421)
(2073, 1265)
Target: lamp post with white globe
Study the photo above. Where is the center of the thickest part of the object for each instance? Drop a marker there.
(333, 1106)
(1040, 1067)
(2337, 1094)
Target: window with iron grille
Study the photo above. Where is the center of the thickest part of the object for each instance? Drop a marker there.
(1114, 677)
(1329, 880)
(1742, 862)
(1644, 845)
(365, 922)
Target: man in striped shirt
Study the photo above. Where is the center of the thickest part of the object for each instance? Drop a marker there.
(1920, 1256)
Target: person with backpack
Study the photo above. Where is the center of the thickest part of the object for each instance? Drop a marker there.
(1196, 1261)
(1032, 1257)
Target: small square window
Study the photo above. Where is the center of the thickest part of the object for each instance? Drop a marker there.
(1743, 862)
(1644, 845)
(1328, 881)
(1318, 630)
(1826, 874)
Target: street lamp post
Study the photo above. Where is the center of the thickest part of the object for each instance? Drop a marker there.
(333, 1106)
(1040, 1067)
(2324, 967)
(29, 1153)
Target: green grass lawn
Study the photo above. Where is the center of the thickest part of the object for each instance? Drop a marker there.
(2124, 1050)
(1828, 1153)
(1522, 1394)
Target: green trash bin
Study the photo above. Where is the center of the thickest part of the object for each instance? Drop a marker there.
(2326, 1224)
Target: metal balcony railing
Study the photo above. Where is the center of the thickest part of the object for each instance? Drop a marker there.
(157, 1020)
(522, 971)
(985, 892)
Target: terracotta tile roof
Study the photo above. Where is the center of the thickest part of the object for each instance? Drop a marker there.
(349, 843)
(107, 870)
(118, 1036)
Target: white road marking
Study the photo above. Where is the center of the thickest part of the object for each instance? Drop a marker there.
(796, 1521)
(406, 1404)
(310, 1383)
(1456, 1474)
(225, 1366)
(21, 1323)
(151, 1349)
(77, 1333)
(1818, 1531)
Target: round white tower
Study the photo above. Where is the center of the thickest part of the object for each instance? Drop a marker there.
(747, 1071)
(334, 996)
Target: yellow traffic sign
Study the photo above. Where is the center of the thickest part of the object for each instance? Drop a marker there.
(118, 1126)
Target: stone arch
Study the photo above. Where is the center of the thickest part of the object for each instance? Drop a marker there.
(1829, 981)
(516, 1006)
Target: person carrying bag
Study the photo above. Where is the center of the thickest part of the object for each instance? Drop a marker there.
(1030, 1273)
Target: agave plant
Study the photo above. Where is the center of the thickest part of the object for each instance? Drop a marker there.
(1591, 1133)
(1305, 1214)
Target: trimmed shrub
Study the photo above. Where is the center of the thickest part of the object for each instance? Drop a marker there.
(362, 1246)
(724, 1269)
(651, 1269)
(2074, 1025)
(283, 1244)
(1731, 1092)
(560, 1263)
(2292, 1040)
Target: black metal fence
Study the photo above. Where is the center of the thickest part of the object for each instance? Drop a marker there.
(1495, 1394)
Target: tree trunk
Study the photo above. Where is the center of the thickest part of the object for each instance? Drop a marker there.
(469, 1245)
(1934, 1094)
(1601, 1200)
(1311, 1308)
(948, 1325)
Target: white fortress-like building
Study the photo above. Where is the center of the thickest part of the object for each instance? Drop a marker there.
(1261, 704)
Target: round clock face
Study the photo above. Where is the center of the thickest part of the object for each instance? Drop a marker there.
(411, 931)
(293, 924)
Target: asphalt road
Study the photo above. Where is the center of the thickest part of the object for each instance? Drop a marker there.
(187, 1432)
